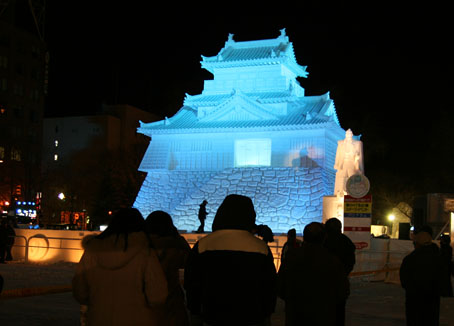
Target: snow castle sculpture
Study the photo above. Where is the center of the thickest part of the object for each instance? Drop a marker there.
(252, 131)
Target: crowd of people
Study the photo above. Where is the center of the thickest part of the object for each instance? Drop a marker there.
(131, 273)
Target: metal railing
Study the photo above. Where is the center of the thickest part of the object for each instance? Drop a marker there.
(27, 245)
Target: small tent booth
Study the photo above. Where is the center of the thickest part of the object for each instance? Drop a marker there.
(252, 131)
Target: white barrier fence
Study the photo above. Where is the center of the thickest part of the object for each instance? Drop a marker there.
(380, 262)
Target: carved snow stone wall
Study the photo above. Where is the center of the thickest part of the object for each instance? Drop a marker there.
(283, 198)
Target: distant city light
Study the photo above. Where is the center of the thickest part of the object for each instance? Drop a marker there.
(61, 196)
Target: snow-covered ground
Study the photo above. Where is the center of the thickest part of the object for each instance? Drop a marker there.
(370, 303)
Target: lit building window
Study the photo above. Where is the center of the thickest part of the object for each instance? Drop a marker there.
(252, 152)
(55, 157)
(15, 154)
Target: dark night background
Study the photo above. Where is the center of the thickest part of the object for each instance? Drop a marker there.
(388, 69)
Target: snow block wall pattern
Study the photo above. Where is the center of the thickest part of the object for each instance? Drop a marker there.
(284, 198)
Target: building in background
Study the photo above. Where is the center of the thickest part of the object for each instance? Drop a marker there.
(252, 131)
(90, 164)
(23, 88)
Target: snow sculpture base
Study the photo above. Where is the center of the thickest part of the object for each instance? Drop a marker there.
(283, 198)
(333, 206)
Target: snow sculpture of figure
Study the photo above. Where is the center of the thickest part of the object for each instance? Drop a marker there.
(349, 161)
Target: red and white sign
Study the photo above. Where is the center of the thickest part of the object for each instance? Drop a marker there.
(357, 220)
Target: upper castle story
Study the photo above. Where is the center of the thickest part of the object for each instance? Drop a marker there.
(254, 66)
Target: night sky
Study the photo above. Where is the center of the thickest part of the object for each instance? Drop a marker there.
(389, 70)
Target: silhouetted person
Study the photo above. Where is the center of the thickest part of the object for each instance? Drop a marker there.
(265, 232)
(311, 281)
(446, 257)
(3, 240)
(291, 243)
(230, 277)
(202, 216)
(343, 248)
(119, 276)
(10, 240)
(173, 251)
(420, 276)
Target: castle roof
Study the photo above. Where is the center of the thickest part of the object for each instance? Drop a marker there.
(306, 112)
(250, 108)
(253, 53)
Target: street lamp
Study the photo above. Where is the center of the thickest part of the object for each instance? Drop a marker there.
(392, 218)
(61, 196)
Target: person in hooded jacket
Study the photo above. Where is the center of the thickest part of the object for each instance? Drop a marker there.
(230, 277)
(312, 281)
(173, 251)
(343, 248)
(119, 276)
(420, 276)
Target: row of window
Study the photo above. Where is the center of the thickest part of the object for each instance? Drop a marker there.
(15, 154)
(19, 90)
(19, 112)
(20, 68)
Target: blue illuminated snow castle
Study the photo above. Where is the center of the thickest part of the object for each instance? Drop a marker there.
(253, 132)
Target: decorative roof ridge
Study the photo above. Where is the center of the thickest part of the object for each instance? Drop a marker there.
(316, 125)
(282, 38)
(167, 121)
(285, 96)
(284, 55)
(314, 98)
(236, 93)
(257, 95)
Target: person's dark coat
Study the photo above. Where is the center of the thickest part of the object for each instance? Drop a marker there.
(3, 241)
(312, 282)
(447, 263)
(230, 277)
(420, 276)
(343, 248)
(11, 234)
(172, 254)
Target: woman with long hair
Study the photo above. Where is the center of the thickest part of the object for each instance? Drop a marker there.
(119, 276)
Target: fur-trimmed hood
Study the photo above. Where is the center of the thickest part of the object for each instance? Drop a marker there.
(110, 252)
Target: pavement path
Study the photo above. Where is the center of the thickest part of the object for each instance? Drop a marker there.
(370, 303)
